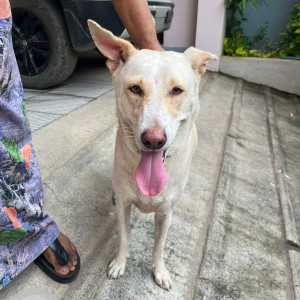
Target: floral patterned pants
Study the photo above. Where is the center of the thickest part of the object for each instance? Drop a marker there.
(25, 231)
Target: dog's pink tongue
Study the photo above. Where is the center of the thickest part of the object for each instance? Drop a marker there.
(151, 174)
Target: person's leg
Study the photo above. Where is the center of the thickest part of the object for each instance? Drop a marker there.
(25, 231)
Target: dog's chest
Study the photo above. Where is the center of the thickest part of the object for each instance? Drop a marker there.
(148, 204)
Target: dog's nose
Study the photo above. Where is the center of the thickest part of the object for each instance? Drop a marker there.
(154, 138)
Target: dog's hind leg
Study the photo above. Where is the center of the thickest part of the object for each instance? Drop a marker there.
(117, 267)
(161, 274)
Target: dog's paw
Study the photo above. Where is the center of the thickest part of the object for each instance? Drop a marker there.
(116, 268)
(162, 277)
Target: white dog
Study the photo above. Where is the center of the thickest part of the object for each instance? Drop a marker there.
(157, 104)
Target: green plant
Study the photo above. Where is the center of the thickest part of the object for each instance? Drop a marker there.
(290, 45)
(240, 5)
(240, 45)
(236, 9)
(233, 48)
(260, 36)
(235, 44)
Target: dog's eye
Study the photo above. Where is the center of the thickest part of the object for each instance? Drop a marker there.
(176, 91)
(136, 89)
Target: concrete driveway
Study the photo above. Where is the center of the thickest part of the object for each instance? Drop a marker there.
(234, 233)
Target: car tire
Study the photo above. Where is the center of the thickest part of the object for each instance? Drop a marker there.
(42, 45)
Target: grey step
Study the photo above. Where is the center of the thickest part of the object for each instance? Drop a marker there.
(226, 240)
(186, 237)
(76, 166)
(62, 139)
(286, 109)
(284, 116)
(247, 255)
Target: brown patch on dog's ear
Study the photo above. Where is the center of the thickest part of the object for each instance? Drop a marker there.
(199, 59)
(112, 47)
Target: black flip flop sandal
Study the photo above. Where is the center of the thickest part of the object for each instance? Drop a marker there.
(63, 258)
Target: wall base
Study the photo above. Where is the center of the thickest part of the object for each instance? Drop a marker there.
(281, 74)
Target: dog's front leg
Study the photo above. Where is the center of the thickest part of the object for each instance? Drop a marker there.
(117, 267)
(161, 274)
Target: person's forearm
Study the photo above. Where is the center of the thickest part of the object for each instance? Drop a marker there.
(137, 19)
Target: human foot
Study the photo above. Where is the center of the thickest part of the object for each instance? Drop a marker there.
(70, 248)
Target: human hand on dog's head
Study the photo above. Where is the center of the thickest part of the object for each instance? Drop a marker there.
(117, 49)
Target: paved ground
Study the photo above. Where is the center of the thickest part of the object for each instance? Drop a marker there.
(46, 106)
(235, 232)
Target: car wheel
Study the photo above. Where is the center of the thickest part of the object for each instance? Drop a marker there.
(42, 44)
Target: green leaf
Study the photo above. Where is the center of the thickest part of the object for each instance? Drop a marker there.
(254, 4)
(284, 34)
(241, 51)
(244, 3)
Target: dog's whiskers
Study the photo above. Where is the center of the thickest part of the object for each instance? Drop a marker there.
(128, 130)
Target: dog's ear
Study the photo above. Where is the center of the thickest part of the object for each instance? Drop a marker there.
(112, 47)
(199, 60)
